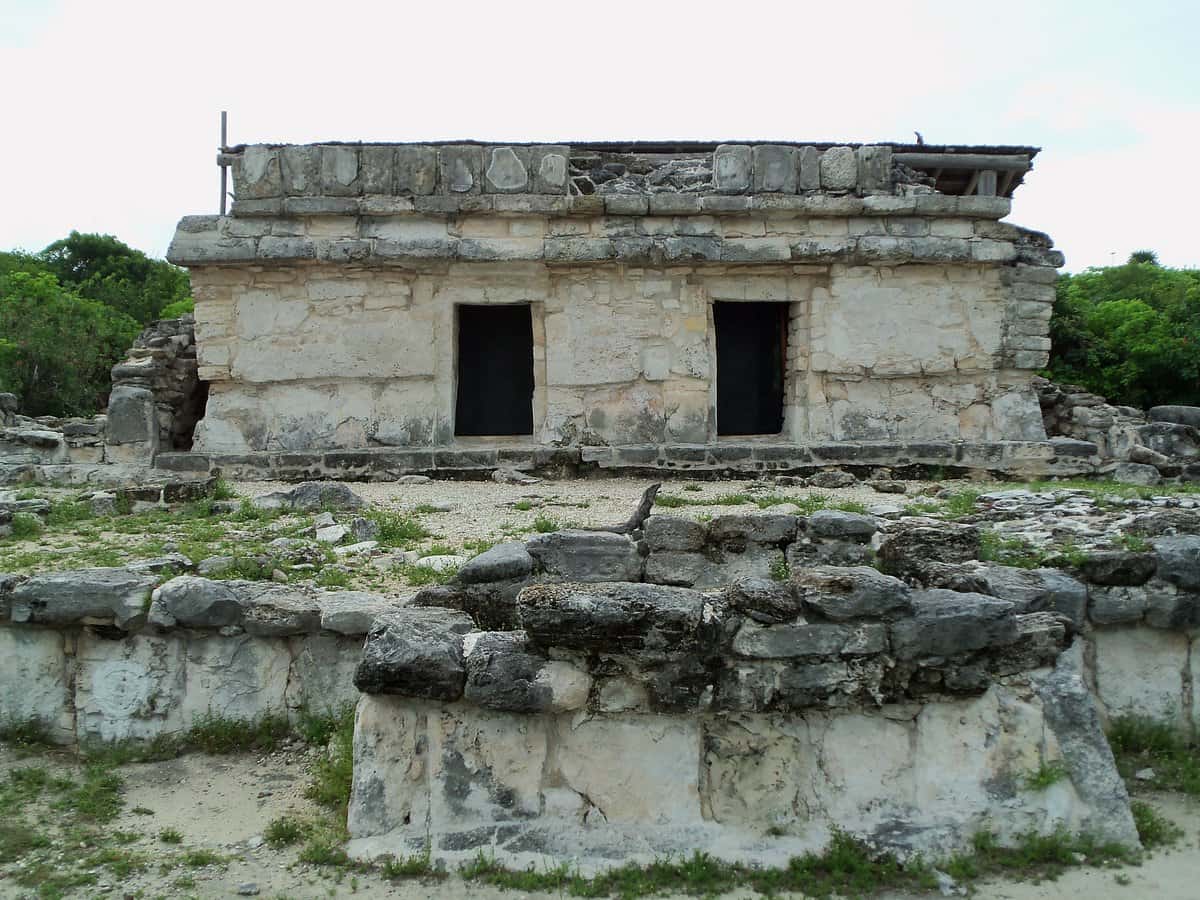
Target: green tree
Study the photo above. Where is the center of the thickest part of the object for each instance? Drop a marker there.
(100, 267)
(1131, 332)
(57, 348)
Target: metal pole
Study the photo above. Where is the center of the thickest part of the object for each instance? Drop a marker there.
(224, 168)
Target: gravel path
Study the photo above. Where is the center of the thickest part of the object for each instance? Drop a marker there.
(484, 509)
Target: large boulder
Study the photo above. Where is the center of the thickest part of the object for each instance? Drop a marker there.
(946, 623)
(195, 602)
(504, 674)
(842, 526)
(763, 599)
(620, 618)
(668, 533)
(736, 531)
(491, 605)
(1179, 560)
(909, 546)
(99, 595)
(310, 496)
(851, 592)
(1118, 567)
(504, 561)
(1178, 415)
(1036, 590)
(415, 652)
(353, 612)
(586, 555)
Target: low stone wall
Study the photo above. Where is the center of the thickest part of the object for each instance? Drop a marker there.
(106, 655)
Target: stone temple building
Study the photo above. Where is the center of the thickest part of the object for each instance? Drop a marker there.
(371, 309)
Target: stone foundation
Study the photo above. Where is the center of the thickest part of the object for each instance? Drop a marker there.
(601, 790)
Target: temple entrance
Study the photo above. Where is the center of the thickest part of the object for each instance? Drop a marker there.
(751, 355)
(495, 371)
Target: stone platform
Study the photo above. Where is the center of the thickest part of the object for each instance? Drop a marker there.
(1059, 456)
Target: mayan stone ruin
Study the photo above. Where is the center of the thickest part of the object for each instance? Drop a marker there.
(372, 308)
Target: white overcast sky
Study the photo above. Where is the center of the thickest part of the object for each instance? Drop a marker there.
(111, 106)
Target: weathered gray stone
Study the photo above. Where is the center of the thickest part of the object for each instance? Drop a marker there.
(272, 610)
(301, 167)
(1136, 473)
(339, 171)
(549, 167)
(1170, 439)
(1179, 415)
(810, 169)
(460, 168)
(840, 525)
(1170, 607)
(1118, 567)
(1116, 605)
(195, 602)
(415, 652)
(908, 547)
(620, 618)
(353, 612)
(945, 623)
(851, 592)
(498, 563)
(763, 599)
(802, 640)
(377, 167)
(1179, 560)
(132, 416)
(503, 674)
(68, 598)
(1148, 457)
(586, 555)
(416, 170)
(761, 528)
(839, 169)
(874, 168)
(681, 568)
(1038, 590)
(256, 173)
(311, 495)
(492, 605)
(507, 170)
(1071, 714)
(672, 533)
(776, 169)
(732, 168)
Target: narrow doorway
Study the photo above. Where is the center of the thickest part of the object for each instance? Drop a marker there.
(751, 355)
(495, 371)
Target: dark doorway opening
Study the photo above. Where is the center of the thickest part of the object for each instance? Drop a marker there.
(751, 355)
(495, 370)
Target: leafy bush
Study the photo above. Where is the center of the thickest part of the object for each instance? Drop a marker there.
(1131, 332)
(57, 348)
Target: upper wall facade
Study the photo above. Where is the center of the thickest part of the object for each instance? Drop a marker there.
(328, 304)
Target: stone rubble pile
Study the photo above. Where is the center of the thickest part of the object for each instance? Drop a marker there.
(1141, 447)
(155, 402)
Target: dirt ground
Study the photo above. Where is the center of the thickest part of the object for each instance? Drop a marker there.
(224, 803)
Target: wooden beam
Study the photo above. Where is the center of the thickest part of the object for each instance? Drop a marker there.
(972, 183)
(985, 183)
(995, 161)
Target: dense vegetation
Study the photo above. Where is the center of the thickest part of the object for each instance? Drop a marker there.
(1131, 332)
(68, 314)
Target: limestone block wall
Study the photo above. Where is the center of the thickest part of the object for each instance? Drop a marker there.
(100, 655)
(325, 302)
(317, 355)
